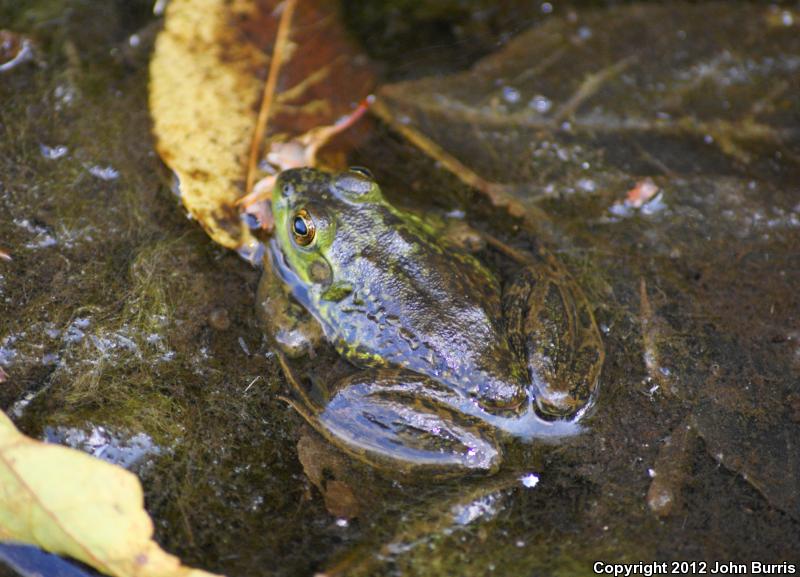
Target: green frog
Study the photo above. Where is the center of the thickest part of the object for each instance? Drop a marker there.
(444, 360)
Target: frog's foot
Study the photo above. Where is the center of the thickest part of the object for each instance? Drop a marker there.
(407, 422)
(560, 337)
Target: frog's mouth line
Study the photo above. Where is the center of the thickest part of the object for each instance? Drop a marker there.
(300, 290)
(284, 270)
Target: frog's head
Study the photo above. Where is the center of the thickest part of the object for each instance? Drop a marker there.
(320, 221)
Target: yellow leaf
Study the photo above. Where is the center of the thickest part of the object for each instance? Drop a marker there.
(204, 95)
(69, 503)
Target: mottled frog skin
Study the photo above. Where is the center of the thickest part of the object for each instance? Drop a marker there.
(446, 360)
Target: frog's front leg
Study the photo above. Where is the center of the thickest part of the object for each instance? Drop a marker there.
(551, 322)
(294, 330)
(404, 420)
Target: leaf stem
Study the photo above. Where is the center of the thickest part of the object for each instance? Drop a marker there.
(281, 40)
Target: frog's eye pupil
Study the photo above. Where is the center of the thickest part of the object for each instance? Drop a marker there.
(300, 228)
(365, 172)
(303, 228)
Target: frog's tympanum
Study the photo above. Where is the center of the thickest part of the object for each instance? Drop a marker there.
(446, 360)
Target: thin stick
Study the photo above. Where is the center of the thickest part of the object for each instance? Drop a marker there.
(269, 91)
(435, 151)
(499, 195)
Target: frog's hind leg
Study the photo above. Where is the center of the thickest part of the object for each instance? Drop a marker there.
(405, 421)
(551, 322)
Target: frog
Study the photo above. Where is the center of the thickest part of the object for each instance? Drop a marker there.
(445, 360)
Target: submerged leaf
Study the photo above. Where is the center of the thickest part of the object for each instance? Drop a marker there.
(69, 503)
(640, 89)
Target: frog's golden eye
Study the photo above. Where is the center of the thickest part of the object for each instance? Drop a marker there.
(303, 228)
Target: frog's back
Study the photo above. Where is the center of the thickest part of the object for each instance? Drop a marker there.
(422, 306)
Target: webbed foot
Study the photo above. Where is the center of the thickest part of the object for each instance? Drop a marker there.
(404, 421)
(560, 337)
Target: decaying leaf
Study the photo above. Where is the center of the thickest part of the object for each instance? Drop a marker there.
(209, 85)
(69, 503)
(574, 87)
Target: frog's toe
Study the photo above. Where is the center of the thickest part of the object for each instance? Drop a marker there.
(551, 404)
(565, 390)
(378, 423)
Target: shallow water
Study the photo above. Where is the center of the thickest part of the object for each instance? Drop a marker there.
(125, 332)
